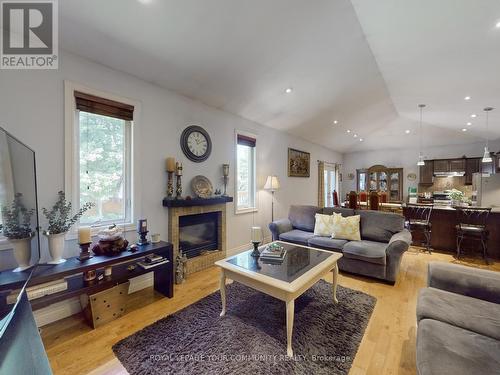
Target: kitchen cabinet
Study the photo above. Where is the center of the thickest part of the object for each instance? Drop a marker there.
(426, 172)
(457, 165)
(441, 166)
(449, 165)
(471, 166)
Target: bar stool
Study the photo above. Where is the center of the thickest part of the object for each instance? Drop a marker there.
(417, 219)
(471, 225)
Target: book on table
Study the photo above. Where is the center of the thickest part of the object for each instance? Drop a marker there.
(276, 253)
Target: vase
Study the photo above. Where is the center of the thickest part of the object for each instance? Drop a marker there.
(22, 253)
(56, 247)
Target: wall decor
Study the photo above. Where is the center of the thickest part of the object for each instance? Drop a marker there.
(202, 187)
(196, 143)
(350, 176)
(412, 177)
(299, 163)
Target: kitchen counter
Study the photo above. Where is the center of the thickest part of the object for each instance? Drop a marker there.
(451, 208)
(443, 220)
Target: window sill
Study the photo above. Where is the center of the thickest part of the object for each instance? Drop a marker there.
(245, 210)
(73, 234)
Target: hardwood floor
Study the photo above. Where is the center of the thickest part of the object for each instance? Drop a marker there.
(388, 346)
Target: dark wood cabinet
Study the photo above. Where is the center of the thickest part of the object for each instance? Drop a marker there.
(426, 173)
(471, 166)
(441, 166)
(457, 165)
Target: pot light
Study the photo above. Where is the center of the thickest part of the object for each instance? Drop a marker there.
(464, 129)
(407, 131)
(469, 123)
(467, 98)
(355, 136)
(361, 139)
(498, 25)
(288, 90)
(348, 130)
(335, 122)
(473, 115)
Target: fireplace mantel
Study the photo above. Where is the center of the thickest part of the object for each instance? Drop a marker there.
(196, 201)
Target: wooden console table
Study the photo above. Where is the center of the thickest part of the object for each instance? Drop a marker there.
(72, 269)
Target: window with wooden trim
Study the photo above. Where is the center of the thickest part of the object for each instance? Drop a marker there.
(102, 153)
(246, 146)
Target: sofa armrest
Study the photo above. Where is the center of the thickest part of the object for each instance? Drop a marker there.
(398, 244)
(467, 281)
(280, 226)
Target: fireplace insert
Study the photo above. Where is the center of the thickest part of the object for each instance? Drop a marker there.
(198, 233)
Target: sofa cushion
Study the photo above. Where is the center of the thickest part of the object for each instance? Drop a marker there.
(323, 225)
(346, 228)
(379, 226)
(297, 236)
(327, 243)
(338, 210)
(466, 312)
(302, 217)
(368, 251)
(446, 349)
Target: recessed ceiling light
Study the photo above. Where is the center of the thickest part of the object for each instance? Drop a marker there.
(469, 123)
(498, 25)
(348, 131)
(288, 90)
(361, 139)
(145, 1)
(464, 129)
(467, 98)
(473, 115)
(355, 136)
(335, 122)
(407, 131)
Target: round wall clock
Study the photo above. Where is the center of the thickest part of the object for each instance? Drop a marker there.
(196, 143)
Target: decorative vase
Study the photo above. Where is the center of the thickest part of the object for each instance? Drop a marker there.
(22, 253)
(56, 247)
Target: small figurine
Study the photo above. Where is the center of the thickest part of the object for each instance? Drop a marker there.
(180, 268)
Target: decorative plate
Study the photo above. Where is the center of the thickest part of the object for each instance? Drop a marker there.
(411, 176)
(202, 187)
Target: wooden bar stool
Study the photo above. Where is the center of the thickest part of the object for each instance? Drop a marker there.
(471, 225)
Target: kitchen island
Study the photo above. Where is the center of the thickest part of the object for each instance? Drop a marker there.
(443, 238)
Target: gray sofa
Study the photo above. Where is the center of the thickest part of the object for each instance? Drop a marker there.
(458, 319)
(378, 254)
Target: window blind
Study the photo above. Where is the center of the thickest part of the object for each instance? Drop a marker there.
(245, 140)
(105, 107)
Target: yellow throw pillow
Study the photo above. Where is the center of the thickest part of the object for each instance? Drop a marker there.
(346, 228)
(323, 226)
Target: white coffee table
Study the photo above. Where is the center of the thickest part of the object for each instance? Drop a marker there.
(302, 267)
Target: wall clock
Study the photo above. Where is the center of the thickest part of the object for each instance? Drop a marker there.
(196, 143)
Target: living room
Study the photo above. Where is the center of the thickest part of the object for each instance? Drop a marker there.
(162, 151)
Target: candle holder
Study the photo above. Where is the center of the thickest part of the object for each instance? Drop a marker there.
(84, 251)
(225, 177)
(170, 185)
(143, 238)
(178, 188)
(255, 253)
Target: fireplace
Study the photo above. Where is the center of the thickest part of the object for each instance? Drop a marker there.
(198, 233)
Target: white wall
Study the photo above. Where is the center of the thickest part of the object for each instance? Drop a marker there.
(406, 159)
(31, 108)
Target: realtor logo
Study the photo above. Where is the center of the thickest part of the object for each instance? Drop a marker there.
(29, 35)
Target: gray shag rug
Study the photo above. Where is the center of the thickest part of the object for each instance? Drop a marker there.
(251, 338)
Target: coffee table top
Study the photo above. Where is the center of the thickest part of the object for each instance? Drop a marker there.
(297, 261)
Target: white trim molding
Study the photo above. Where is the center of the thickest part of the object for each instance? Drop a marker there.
(256, 196)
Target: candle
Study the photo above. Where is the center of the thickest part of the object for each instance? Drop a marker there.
(225, 170)
(256, 234)
(170, 164)
(142, 226)
(178, 166)
(84, 235)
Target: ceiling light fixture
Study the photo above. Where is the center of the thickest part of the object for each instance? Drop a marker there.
(464, 129)
(498, 25)
(355, 136)
(473, 115)
(469, 123)
(288, 90)
(348, 130)
(421, 161)
(361, 139)
(467, 98)
(335, 122)
(407, 131)
(487, 155)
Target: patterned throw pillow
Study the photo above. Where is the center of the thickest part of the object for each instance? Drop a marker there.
(323, 226)
(346, 228)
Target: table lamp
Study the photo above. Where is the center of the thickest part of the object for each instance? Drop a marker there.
(272, 184)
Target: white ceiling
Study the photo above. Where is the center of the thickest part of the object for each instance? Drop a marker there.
(367, 66)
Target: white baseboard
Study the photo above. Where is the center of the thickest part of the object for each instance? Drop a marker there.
(63, 309)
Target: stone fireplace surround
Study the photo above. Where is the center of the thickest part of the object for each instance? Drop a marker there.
(203, 261)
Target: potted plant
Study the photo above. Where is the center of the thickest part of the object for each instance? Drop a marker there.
(17, 228)
(60, 220)
(457, 197)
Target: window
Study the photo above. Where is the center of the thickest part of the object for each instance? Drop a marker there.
(245, 173)
(102, 151)
(330, 181)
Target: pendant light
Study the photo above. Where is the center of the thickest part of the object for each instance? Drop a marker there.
(487, 155)
(421, 161)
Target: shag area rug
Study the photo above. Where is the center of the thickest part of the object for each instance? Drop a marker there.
(251, 338)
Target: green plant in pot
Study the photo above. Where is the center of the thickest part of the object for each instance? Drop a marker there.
(17, 229)
(60, 220)
(457, 197)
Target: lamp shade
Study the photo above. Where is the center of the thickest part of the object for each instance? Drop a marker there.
(487, 156)
(272, 183)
